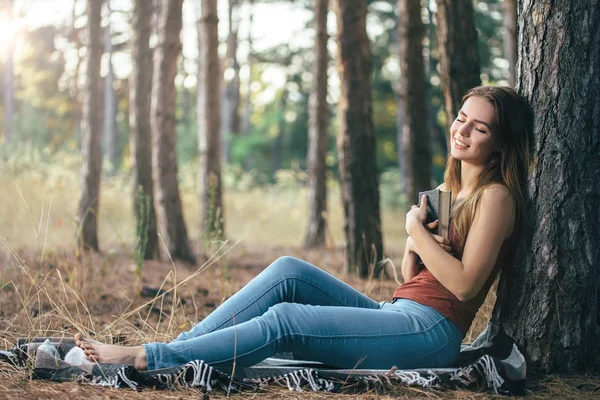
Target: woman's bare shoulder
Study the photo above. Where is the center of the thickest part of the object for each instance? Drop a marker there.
(496, 192)
(498, 204)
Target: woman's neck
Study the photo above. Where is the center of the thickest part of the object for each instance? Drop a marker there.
(469, 175)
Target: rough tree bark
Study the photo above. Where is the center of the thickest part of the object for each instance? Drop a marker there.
(415, 135)
(459, 54)
(549, 302)
(317, 133)
(110, 106)
(87, 235)
(510, 38)
(140, 93)
(230, 112)
(209, 138)
(356, 140)
(164, 162)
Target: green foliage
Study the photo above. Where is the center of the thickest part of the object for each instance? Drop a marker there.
(489, 17)
(47, 117)
(44, 115)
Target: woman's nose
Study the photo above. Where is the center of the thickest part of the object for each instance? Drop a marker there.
(464, 129)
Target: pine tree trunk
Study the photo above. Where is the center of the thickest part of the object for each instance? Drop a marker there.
(91, 132)
(549, 301)
(317, 133)
(510, 38)
(110, 108)
(164, 163)
(140, 93)
(356, 140)
(212, 223)
(415, 135)
(459, 54)
(230, 116)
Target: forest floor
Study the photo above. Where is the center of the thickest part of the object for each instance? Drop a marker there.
(107, 297)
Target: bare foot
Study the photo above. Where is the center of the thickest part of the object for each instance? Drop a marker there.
(112, 354)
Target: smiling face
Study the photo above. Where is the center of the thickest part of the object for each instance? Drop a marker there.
(471, 133)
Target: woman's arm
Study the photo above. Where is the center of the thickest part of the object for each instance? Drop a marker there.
(410, 268)
(491, 226)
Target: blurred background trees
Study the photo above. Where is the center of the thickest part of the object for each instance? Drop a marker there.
(270, 102)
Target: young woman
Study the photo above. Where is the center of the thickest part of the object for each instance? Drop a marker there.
(295, 307)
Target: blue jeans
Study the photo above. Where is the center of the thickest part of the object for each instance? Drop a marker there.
(293, 306)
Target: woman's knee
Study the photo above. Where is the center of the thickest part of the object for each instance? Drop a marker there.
(290, 266)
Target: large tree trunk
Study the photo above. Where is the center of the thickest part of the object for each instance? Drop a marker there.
(91, 132)
(230, 116)
(317, 133)
(110, 101)
(356, 140)
(140, 92)
(9, 83)
(164, 162)
(459, 54)
(549, 301)
(209, 138)
(510, 38)
(415, 135)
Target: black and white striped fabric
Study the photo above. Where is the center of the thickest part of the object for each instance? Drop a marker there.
(491, 363)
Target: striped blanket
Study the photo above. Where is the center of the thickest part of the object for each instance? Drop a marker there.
(491, 363)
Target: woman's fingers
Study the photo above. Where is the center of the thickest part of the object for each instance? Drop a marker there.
(440, 239)
(443, 242)
(432, 225)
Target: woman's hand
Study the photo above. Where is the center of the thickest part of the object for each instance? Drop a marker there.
(442, 241)
(416, 216)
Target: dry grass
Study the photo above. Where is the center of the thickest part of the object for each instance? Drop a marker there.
(46, 288)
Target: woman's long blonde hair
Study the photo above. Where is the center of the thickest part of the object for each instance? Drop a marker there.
(513, 128)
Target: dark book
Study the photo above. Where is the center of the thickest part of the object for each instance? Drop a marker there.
(438, 207)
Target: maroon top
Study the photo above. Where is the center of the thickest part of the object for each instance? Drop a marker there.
(425, 289)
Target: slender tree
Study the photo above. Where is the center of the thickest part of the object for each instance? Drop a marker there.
(549, 301)
(356, 139)
(140, 93)
(91, 131)
(510, 38)
(459, 54)
(415, 135)
(230, 112)
(110, 100)
(317, 133)
(164, 162)
(209, 131)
